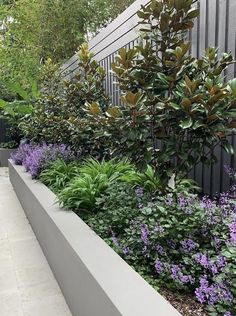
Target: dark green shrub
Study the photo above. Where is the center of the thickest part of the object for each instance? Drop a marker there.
(60, 115)
(170, 96)
(48, 123)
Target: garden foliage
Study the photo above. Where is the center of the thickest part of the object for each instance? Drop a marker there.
(94, 177)
(176, 240)
(60, 114)
(13, 111)
(33, 31)
(175, 110)
(171, 96)
(36, 158)
(58, 174)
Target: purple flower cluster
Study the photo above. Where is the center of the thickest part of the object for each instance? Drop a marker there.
(183, 201)
(212, 294)
(145, 234)
(42, 155)
(186, 203)
(126, 251)
(115, 239)
(221, 262)
(207, 203)
(230, 171)
(37, 157)
(214, 266)
(160, 250)
(202, 259)
(139, 192)
(159, 266)
(188, 245)
(177, 274)
(19, 156)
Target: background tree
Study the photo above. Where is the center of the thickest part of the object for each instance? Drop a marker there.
(34, 30)
(99, 13)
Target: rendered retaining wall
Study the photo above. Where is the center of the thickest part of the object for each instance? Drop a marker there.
(93, 278)
(4, 156)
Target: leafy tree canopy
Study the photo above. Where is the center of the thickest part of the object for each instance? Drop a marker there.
(34, 30)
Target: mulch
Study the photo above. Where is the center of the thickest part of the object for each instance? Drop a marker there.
(185, 304)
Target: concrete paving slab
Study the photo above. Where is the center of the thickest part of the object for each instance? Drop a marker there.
(27, 284)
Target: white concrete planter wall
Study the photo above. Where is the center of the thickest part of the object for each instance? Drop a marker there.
(5, 154)
(93, 278)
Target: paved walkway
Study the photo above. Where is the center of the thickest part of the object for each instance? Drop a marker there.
(27, 285)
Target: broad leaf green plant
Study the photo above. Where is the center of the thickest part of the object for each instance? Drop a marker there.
(170, 97)
(60, 115)
(13, 112)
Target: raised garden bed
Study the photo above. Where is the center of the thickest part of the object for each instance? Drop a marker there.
(5, 154)
(93, 278)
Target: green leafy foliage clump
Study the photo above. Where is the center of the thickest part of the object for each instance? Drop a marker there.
(13, 111)
(33, 31)
(94, 177)
(58, 174)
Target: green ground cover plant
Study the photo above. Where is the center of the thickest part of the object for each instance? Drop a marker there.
(178, 241)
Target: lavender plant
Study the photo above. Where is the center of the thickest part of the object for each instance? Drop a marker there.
(22, 152)
(35, 158)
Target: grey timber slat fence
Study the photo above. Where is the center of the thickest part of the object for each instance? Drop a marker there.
(216, 26)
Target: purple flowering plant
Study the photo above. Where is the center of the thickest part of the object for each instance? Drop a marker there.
(35, 158)
(179, 241)
(19, 156)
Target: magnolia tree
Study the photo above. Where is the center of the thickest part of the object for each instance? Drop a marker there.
(170, 96)
(176, 108)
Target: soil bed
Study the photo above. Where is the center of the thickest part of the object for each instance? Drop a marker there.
(184, 303)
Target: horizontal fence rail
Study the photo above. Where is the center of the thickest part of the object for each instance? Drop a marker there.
(216, 26)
